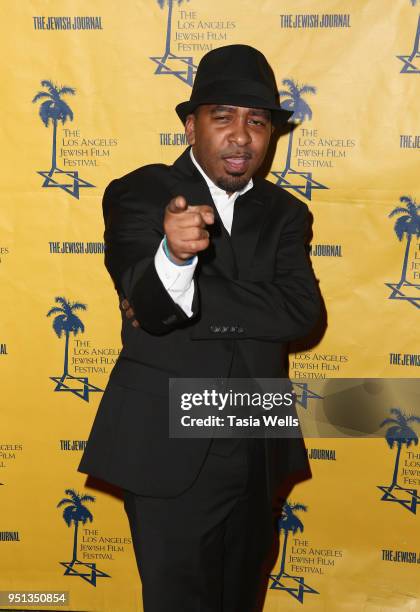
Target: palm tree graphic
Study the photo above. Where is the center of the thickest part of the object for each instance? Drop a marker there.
(75, 512)
(294, 101)
(54, 109)
(400, 433)
(408, 224)
(68, 323)
(290, 523)
(170, 4)
(186, 67)
(409, 66)
(301, 109)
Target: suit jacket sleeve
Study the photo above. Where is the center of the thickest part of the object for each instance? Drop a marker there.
(133, 232)
(283, 308)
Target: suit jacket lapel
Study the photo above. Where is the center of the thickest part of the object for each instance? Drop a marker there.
(248, 217)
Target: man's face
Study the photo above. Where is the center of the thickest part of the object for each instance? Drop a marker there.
(229, 142)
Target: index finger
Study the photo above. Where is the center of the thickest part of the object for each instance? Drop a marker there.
(177, 205)
(206, 212)
(200, 208)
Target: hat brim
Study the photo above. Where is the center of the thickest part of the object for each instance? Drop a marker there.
(279, 116)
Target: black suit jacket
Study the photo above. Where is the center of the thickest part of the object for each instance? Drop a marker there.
(254, 292)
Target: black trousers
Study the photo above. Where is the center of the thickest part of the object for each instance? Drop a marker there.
(211, 548)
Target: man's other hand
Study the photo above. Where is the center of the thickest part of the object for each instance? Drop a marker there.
(185, 229)
(129, 312)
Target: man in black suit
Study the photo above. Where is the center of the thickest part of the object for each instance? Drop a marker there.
(213, 264)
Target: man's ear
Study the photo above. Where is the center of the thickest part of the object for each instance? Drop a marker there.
(190, 129)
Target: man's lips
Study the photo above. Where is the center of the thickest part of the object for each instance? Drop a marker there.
(237, 163)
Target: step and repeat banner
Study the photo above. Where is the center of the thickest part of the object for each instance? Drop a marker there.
(89, 91)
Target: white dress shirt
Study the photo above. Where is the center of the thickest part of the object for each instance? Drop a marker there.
(178, 279)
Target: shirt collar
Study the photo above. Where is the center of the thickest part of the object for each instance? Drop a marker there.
(215, 190)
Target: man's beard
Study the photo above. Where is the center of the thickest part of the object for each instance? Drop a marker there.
(232, 183)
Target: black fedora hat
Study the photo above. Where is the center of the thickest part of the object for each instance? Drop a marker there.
(238, 75)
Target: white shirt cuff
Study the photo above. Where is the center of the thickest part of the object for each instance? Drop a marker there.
(177, 280)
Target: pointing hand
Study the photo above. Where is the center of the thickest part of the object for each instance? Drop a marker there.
(185, 228)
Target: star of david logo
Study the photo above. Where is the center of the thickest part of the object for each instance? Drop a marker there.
(67, 180)
(409, 65)
(294, 585)
(303, 184)
(78, 385)
(305, 394)
(409, 499)
(182, 68)
(88, 571)
(400, 292)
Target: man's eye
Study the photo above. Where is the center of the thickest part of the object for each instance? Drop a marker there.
(258, 121)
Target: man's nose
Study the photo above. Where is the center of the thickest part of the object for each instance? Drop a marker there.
(240, 133)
